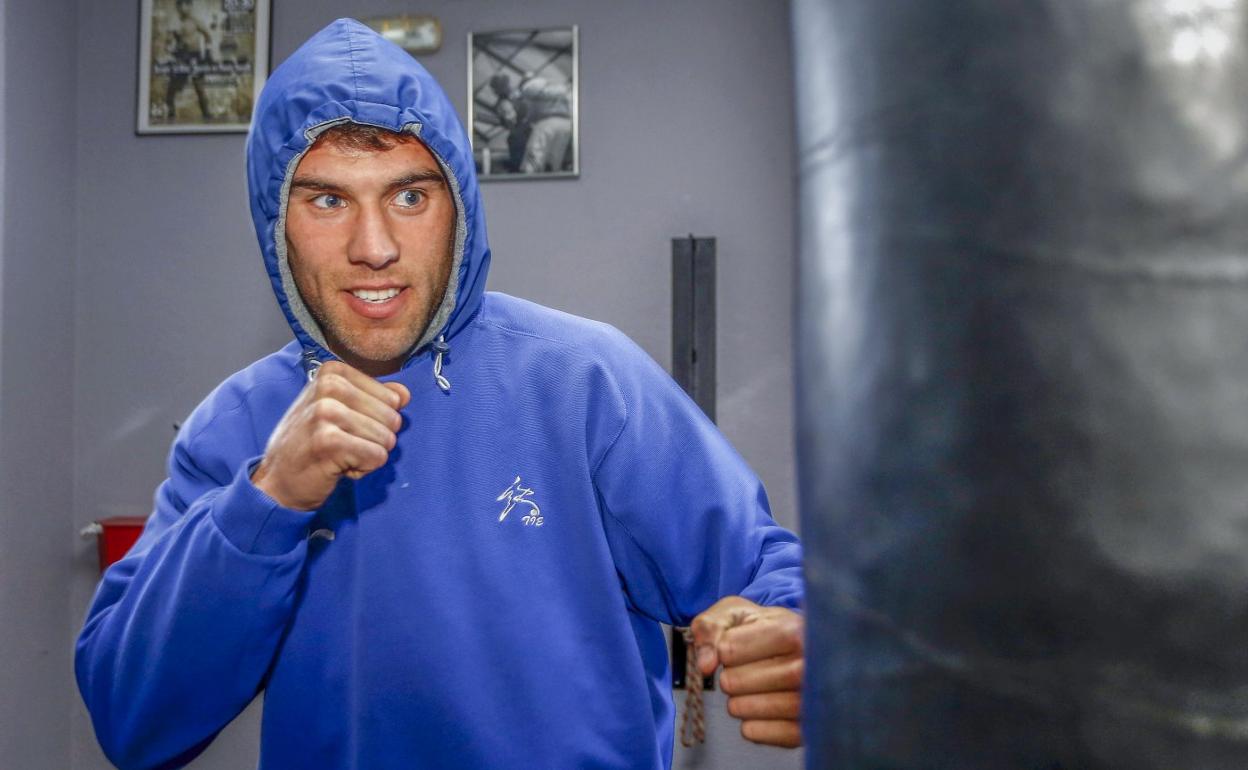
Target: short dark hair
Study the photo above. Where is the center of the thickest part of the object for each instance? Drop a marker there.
(362, 138)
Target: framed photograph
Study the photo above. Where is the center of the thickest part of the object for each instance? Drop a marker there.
(522, 92)
(201, 64)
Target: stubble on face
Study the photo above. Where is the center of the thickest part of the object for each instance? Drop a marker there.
(345, 233)
(365, 348)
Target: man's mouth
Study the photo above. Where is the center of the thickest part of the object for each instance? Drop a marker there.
(376, 296)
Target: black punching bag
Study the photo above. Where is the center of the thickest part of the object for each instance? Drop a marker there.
(1023, 385)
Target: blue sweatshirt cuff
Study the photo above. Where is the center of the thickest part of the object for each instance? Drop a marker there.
(254, 522)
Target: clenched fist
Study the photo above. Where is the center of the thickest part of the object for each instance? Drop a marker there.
(761, 650)
(344, 423)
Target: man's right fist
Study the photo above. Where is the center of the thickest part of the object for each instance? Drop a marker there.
(342, 424)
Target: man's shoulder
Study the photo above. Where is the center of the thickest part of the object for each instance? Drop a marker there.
(578, 346)
(546, 326)
(253, 392)
(279, 369)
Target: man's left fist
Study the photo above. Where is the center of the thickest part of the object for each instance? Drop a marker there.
(761, 651)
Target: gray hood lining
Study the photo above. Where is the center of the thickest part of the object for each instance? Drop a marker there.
(294, 301)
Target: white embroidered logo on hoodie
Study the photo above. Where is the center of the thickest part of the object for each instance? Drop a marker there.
(520, 494)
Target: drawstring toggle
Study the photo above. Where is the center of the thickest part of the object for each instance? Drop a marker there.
(440, 348)
(311, 364)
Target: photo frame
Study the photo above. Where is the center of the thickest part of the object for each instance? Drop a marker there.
(523, 97)
(202, 64)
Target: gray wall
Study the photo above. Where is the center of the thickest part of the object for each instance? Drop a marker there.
(685, 127)
(37, 247)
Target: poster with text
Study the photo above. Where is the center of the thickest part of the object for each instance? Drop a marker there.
(201, 64)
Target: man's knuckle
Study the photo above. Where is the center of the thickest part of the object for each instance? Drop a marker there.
(727, 651)
(798, 641)
(328, 386)
(794, 673)
(324, 439)
(377, 455)
(323, 409)
(332, 386)
(795, 629)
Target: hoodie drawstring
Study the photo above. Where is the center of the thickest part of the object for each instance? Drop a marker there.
(441, 348)
(311, 364)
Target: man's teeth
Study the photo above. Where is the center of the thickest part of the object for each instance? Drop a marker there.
(379, 295)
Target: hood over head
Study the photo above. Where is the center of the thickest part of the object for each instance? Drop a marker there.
(348, 73)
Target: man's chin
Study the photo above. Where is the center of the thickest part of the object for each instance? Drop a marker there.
(375, 359)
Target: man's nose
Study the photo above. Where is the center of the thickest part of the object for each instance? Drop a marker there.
(372, 242)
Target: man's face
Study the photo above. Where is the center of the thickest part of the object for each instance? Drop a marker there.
(369, 237)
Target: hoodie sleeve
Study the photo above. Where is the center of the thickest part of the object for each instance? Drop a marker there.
(182, 631)
(687, 521)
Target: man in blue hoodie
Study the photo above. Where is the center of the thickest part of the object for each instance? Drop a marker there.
(442, 526)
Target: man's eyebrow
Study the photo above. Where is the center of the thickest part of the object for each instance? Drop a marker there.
(407, 180)
(312, 183)
(416, 177)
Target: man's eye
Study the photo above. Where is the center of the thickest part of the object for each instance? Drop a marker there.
(409, 198)
(327, 201)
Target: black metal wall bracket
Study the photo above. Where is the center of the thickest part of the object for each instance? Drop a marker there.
(693, 357)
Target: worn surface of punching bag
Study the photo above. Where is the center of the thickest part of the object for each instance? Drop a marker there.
(1023, 383)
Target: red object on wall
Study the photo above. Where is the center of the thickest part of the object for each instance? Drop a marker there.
(115, 535)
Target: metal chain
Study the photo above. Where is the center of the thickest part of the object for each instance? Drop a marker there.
(693, 721)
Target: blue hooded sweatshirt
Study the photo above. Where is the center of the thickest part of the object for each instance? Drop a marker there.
(491, 597)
